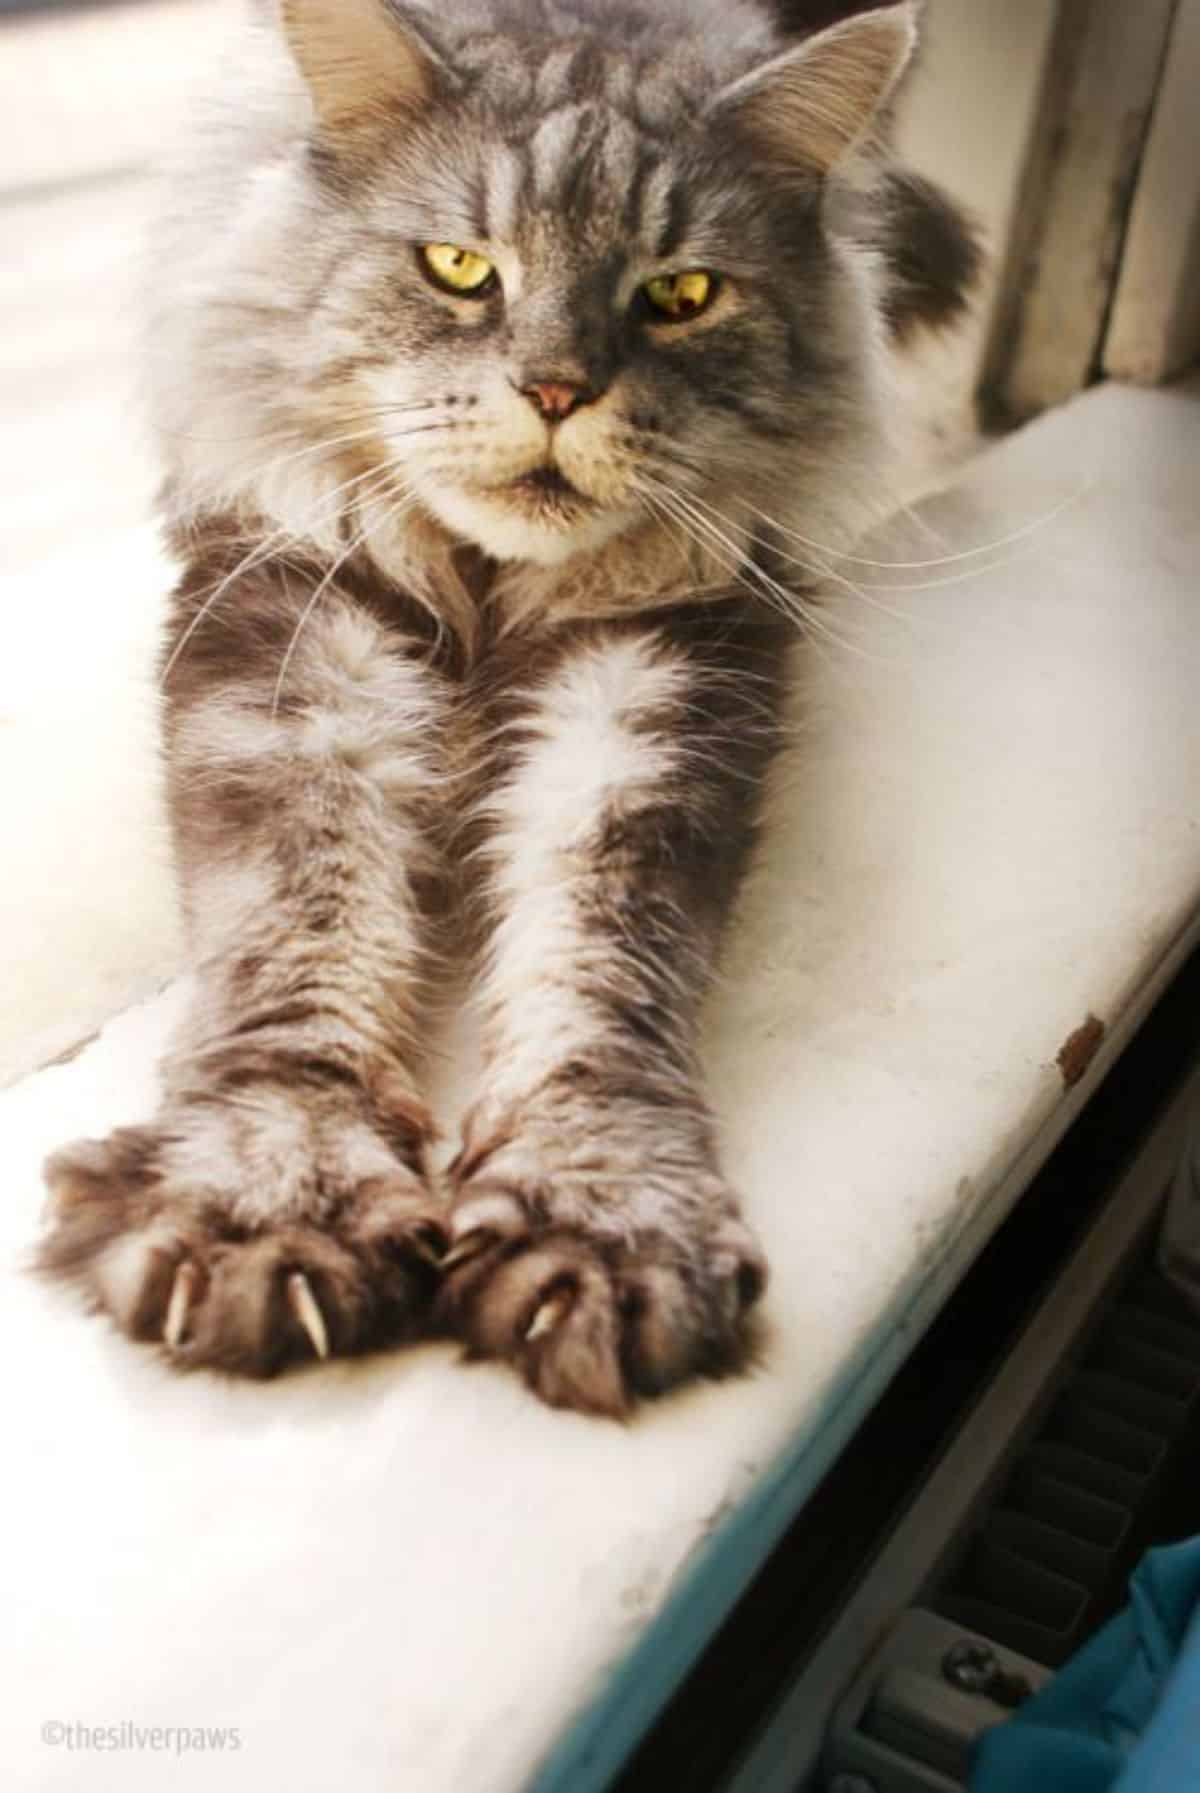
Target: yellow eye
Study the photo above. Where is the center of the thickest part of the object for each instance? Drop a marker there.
(681, 296)
(459, 270)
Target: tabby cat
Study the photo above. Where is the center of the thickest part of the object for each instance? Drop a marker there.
(502, 350)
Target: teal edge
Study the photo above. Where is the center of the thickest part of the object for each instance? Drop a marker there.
(593, 1751)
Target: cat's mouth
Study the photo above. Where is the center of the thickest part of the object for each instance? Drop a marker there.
(540, 516)
(546, 490)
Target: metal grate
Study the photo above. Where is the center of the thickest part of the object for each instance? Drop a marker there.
(1051, 1556)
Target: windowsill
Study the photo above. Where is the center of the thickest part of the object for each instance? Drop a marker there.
(988, 832)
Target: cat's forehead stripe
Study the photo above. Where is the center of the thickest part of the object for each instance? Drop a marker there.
(589, 152)
(658, 217)
(555, 84)
(506, 172)
(555, 149)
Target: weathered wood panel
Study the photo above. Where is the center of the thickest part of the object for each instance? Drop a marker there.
(1101, 82)
(1155, 327)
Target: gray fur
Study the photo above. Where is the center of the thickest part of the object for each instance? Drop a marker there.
(408, 680)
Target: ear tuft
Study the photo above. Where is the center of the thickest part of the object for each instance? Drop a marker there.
(812, 105)
(357, 58)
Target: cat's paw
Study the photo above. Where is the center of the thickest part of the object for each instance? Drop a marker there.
(594, 1301)
(244, 1237)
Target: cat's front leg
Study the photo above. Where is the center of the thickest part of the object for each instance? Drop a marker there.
(597, 1243)
(278, 1207)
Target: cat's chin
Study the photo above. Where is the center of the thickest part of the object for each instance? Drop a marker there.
(506, 534)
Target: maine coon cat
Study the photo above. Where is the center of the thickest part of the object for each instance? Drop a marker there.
(503, 350)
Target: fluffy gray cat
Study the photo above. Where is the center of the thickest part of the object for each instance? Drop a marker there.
(502, 349)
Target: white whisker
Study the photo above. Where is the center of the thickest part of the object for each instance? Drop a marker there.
(323, 586)
(1004, 541)
(259, 555)
(745, 569)
(361, 414)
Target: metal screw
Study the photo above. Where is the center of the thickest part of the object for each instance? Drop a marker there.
(970, 1665)
(974, 1667)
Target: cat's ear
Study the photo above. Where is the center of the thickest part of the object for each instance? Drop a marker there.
(812, 105)
(358, 59)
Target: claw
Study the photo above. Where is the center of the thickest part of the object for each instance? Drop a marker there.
(303, 1304)
(182, 1290)
(423, 1245)
(425, 1252)
(469, 1246)
(546, 1319)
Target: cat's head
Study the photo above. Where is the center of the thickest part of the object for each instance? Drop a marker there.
(546, 268)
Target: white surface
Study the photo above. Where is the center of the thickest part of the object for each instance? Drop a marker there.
(87, 915)
(96, 89)
(87, 903)
(406, 1574)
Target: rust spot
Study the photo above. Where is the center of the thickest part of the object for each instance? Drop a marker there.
(1079, 1050)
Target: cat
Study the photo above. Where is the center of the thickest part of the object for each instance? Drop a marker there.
(497, 345)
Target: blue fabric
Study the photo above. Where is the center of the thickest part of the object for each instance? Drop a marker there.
(1123, 1716)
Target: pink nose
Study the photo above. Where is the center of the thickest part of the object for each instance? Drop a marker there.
(555, 399)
